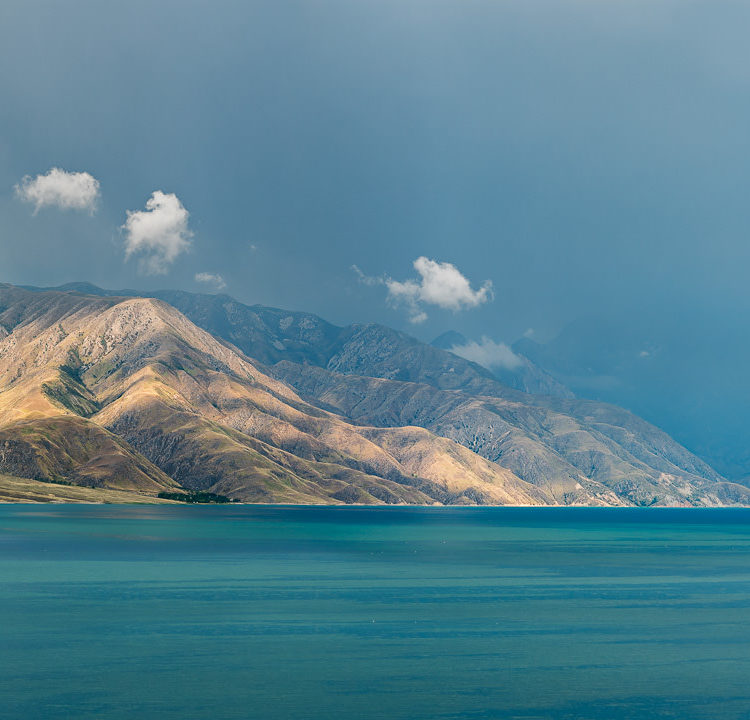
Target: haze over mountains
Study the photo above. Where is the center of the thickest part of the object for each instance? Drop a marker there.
(180, 391)
(686, 372)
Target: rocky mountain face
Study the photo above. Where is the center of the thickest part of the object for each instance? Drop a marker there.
(530, 378)
(128, 394)
(201, 392)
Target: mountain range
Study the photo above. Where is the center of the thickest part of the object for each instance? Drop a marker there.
(175, 392)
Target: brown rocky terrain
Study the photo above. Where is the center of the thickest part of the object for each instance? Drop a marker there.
(128, 394)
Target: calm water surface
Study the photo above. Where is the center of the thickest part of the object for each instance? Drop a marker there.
(281, 612)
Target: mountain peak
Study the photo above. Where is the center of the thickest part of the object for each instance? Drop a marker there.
(448, 340)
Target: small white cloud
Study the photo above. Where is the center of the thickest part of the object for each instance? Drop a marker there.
(529, 333)
(61, 189)
(440, 284)
(159, 233)
(367, 279)
(644, 353)
(212, 279)
(489, 354)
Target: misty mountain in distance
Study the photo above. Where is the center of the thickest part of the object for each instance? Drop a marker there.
(449, 339)
(687, 373)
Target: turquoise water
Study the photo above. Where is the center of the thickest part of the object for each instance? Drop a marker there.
(281, 612)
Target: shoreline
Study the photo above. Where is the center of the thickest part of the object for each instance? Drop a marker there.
(22, 491)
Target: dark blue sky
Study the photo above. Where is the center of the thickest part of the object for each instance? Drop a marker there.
(577, 154)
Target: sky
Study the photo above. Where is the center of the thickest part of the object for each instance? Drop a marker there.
(493, 167)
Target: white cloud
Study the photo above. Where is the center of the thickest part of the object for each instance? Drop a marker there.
(159, 233)
(61, 189)
(212, 279)
(489, 354)
(440, 284)
(367, 279)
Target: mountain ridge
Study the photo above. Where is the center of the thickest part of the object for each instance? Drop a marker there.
(325, 414)
(196, 409)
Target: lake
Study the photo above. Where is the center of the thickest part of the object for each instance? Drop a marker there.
(349, 612)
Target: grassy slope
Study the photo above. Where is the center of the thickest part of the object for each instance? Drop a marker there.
(73, 449)
(21, 490)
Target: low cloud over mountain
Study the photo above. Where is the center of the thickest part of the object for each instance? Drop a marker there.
(211, 279)
(439, 284)
(488, 353)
